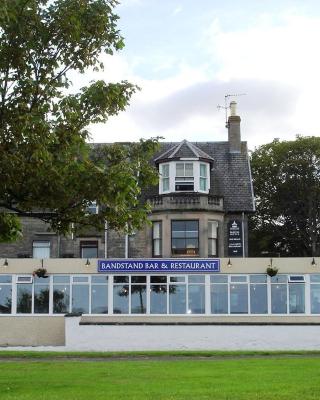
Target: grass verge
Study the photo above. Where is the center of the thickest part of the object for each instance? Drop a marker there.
(280, 378)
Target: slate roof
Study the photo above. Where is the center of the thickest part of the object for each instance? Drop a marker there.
(183, 149)
(230, 174)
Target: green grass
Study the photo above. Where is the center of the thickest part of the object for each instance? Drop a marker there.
(278, 377)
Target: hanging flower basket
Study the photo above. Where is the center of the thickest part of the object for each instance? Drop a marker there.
(272, 271)
(40, 273)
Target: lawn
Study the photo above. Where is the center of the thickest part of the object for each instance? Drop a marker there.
(277, 377)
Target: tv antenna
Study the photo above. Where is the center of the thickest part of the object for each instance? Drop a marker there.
(226, 107)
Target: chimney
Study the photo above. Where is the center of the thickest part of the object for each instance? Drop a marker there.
(234, 136)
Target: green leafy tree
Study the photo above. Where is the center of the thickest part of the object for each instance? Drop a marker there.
(47, 169)
(286, 181)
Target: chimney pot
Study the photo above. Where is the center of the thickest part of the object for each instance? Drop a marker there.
(233, 108)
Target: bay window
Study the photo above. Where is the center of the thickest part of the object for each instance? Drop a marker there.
(184, 176)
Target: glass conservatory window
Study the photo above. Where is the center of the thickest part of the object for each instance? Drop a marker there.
(5, 294)
(61, 294)
(121, 294)
(158, 294)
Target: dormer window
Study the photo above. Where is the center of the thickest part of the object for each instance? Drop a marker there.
(184, 176)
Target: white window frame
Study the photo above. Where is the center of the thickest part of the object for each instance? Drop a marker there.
(156, 238)
(164, 178)
(92, 208)
(183, 279)
(183, 178)
(195, 179)
(205, 177)
(214, 237)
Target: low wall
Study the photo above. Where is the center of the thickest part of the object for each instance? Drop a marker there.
(192, 337)
(32, 331)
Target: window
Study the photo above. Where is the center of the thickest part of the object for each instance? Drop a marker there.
(157, 239)
(296, 298)
(212, 238)
(92, 208)
(203, 177)
(41, 295)
(61, 294)
(279, 294)
(315, 293)
(258, 294)
(89, 249)
(219, 294)
(121, 294)
(196, 294)
(138, 294)
(80, 294)
(185, 238)
(177, 295)
(158, 294)
(99, 294)
(184, 181)
(5, 294)
(41, 249)
(238, 294)
(165, 180)
(24, 298)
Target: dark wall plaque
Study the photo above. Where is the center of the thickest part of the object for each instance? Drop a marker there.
(235, 242)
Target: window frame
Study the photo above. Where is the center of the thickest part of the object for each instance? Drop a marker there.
(154, 239)
(89, 244)
(164, 178)
(184, 179)
(212, 238)
(197, 249)
(92, 208)
(41, 247)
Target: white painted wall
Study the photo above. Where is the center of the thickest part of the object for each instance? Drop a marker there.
(196, 337)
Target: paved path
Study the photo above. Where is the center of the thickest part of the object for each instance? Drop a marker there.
(153, 358)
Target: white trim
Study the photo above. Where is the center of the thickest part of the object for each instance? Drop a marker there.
(207, 287)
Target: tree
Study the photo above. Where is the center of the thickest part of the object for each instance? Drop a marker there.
(286, 181)
(47, 169)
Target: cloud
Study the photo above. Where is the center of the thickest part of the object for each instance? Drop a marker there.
(284, 52)
(274, 62)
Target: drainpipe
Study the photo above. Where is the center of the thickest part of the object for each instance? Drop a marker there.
(243, 241)
(106, 239)
(58, 245)
(126, 246)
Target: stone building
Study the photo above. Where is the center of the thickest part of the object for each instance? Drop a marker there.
(199, 209)
(182, 282)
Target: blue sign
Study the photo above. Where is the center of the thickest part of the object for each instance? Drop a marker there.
(157, 265)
